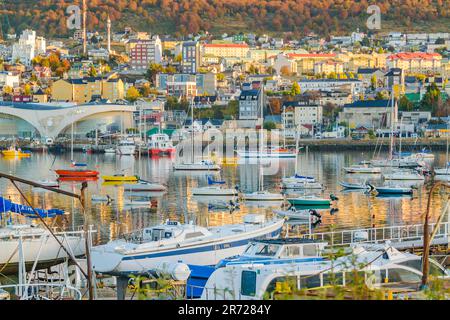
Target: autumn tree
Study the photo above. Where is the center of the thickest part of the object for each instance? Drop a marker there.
(132, 94)
(295, 89)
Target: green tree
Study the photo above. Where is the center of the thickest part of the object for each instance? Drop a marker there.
(404, 104)
(152, 71)
(295, 89)
(269, 125)
(132, 94)
(373, 82)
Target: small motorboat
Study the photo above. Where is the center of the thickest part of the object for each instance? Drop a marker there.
(49, 183)
(393, 190)
(204, 165)
(294, 214)
(363, 168)
(110, 151)
(298, 178)
(77, 173)
(143, 186)
(263, 196)
(120, 177)
(403, 175)
(348, 185)
(309, 200)
(303, 185)
(214, 191)
(136, 203)
(16, 152)
(101, 198)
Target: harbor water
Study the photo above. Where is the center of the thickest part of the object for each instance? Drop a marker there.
(356, 209)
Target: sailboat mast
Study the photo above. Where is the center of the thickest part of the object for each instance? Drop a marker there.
(391, 147)
(71, 142)
(261, 137)
(192, 130)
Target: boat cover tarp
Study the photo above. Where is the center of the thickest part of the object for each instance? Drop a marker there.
(8, 206)
(197, 280)
(211, 181)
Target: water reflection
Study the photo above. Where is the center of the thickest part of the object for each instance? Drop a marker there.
(356, 208)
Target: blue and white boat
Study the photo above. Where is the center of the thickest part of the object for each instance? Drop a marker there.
(259, 252)
(173, 242)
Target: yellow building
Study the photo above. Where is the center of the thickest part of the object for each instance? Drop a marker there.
(328, 67)
(354, 61)
(306, 61)
(85, 89)
(225, 50)
(416, 62)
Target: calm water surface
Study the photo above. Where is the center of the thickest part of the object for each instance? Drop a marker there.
(355, 208)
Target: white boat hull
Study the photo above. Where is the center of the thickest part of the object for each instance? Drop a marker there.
(263, 196)
(51, 252)
(106, 260)
(196, 167)
(126, 150)
(151, 187)
(266, 155)
(213, 191)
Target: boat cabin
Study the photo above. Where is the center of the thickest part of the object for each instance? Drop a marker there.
(281, 250)
(159, 141)
(173, 230)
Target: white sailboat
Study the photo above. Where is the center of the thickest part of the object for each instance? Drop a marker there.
(261, 194)
(126, 147)
(403, 175)
(192, 165)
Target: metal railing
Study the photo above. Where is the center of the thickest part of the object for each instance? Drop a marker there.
(394, 234)
(44, 291)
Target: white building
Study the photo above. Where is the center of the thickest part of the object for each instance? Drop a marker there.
(354, 86)
(300, 113)
(8, 79)
(41, 45)
(25, 49)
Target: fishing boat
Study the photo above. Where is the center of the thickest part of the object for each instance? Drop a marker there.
(309, 200)
(403, 175)
(120, 178)
(379, 265)
(143, 186)
(173, 242)
(362, 168)
(294, 214)
(77, 173)
(349, 185)
(160, 144)
(126, 147)
(13, 151)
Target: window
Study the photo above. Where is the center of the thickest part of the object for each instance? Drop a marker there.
(400, 275)
(291, 251)
(266, 250)
(309, 250)
(310, 281)
(333, 279)
(248, 283)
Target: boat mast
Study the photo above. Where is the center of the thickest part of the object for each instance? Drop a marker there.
(71, 142)
(391, 147)
(296, 150)
(261, 137)
(192, 130)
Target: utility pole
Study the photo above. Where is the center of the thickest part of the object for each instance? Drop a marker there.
(84, 28)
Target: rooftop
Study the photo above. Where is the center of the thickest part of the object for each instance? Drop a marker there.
(369, 104)
(414, 55)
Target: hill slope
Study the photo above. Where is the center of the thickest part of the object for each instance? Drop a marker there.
(181, 17)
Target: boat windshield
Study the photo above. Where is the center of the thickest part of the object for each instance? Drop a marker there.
(262, 249)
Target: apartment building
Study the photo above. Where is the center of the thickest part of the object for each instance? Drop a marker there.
(142, 52)
(416, 62)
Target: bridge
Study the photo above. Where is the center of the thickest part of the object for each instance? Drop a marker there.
(51, 120)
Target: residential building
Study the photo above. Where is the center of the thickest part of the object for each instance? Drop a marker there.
(250, 104)
(223, 50)
(41, 45)
(366, 75)
(353, 86)
(371, 114)
(299, 113)
(185, 89)
(328, 66)
(335, 97)
(190, 54)
(142, 52)
(395, 78)
(206, 83)
(416, 118)
(306, 61)
(85, 89)
(284, 63)
(9, 79)
(416, 62)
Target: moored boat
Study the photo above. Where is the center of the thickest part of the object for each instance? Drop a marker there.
(77, 173)
(120, 177)
(173, 242)
(309, 200)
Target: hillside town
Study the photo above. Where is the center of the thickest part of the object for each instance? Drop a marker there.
(323, 87)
